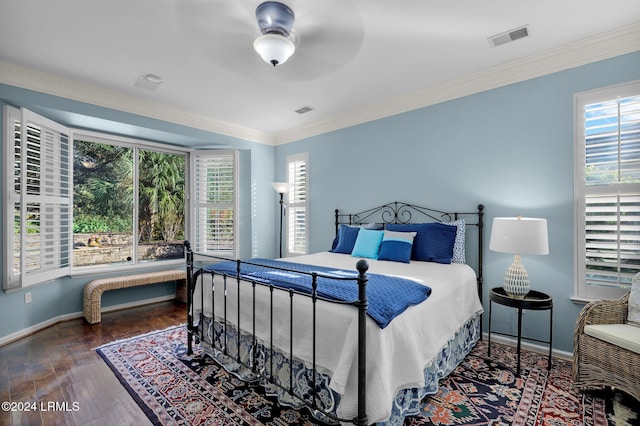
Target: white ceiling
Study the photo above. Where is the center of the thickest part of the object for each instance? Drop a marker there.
(356, 59)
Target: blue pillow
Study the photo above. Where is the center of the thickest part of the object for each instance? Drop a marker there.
(433, 243)
(368, 244)
(346, 239)
(396, 246)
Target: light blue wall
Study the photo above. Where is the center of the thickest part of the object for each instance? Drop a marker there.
(257, 203)
(510, 148)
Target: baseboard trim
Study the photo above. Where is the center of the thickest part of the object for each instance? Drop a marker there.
(10, 338)
(528, 346)
(66, 317)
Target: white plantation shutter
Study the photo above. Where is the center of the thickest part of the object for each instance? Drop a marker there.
(612, 239)
(38, 199)
(608, 191)
(214, 204)
(12, 153)
(298, 204)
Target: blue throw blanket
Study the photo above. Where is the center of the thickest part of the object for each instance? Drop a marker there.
(388, 296)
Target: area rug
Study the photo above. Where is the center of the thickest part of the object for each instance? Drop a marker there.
(174, 388)
(486, 391)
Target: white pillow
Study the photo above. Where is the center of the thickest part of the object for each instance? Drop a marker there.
(633, 315)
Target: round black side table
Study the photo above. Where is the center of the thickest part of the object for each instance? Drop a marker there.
(535, 301)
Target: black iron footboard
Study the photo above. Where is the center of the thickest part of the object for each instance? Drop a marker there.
(263, 368)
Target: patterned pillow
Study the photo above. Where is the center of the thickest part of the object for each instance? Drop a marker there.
(459, 244)
(368, 243)
(396, 246)
(633, 315)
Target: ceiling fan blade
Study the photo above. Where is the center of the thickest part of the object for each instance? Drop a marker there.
(214, 27)
(224, 31)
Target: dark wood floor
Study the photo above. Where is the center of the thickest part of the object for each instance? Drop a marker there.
(60, 365)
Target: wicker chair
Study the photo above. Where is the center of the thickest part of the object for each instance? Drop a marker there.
(598, 364)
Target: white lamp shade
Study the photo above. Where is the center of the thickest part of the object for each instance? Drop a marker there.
(274, 49)
(519, 235)
(281, 187)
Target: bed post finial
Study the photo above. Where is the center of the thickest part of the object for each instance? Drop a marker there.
(362, 266)
(188, 254)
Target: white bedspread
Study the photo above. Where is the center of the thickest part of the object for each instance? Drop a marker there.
(396, 355)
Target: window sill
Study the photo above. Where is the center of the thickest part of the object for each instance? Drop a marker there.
(581, 300)
(108, 269)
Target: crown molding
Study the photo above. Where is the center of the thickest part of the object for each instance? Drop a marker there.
(603, 46)
(30, 79)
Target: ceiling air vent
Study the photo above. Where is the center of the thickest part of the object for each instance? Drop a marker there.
(509, 36)
(303, 109)
(148, 82)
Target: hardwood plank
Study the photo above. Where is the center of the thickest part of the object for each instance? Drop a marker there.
(59, 366)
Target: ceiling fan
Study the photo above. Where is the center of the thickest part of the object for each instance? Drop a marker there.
(325, 35)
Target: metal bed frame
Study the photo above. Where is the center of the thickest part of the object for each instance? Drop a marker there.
(395, 212)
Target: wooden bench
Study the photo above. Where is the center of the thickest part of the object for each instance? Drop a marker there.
(93, 289)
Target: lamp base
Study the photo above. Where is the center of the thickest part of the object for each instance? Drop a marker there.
(516, 279)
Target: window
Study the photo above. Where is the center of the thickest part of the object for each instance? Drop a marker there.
(87, 201)
(298, 204)
(607, 190)
(37, 194)
(161, 205)
(215, 184)
(122, 185)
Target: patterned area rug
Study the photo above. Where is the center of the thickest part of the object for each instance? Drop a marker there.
(174, 388)
(483, 391)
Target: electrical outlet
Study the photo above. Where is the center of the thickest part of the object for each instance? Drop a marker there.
(27, 297)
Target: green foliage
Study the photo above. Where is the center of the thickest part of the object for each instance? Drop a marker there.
(100, 181)
(84, 224)
(104, 191)
(161, 196)
(597, 174)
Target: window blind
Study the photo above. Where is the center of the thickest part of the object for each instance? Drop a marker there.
(297, 222)
(612, 142)
(11, 189)
(612, 239)
(214, 203)
(612, 192)
(39, 200)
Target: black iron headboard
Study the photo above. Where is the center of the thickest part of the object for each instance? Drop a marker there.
(399, 212)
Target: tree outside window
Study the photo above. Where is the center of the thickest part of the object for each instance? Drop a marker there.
(115, 184)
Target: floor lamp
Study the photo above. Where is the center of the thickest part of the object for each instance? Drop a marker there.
(281, 188)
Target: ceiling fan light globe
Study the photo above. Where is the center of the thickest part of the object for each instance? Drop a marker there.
(274, 49)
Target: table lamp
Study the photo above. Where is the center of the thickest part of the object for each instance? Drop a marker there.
(518, 236)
